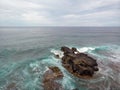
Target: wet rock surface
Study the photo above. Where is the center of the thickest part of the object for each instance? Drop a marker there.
(79, 64)
(51, 79)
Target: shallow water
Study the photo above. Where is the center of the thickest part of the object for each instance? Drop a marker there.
(26, 53)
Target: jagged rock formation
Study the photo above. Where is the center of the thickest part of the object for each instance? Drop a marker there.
(51, 78)
(79, 64)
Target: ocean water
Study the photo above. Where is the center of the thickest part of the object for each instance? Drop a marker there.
(26, 53)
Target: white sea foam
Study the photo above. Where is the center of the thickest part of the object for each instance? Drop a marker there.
(46, 69)
(85, 49)
(57, 52)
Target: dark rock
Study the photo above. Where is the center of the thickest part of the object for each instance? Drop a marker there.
(79, 64)
(66, 50)
(57, 56)
(51, 78)
(12, 86)
(74, 49)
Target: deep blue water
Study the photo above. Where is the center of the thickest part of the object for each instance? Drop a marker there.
(25, 53)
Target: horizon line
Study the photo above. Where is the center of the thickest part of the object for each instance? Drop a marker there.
(54, 26)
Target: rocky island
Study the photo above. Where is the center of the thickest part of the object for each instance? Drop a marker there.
(78, 64)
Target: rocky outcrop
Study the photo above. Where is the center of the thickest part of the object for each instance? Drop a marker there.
(79, 64)
(51, 79)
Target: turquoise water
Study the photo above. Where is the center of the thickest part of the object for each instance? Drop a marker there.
(26, 53)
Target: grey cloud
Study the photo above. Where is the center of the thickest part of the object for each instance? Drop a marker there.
(59, 13)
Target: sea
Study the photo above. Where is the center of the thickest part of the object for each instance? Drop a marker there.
(27, 52)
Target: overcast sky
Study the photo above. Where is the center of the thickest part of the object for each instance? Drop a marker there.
(59, 12)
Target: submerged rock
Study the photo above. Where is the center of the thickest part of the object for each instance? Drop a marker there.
(51, 79)
(12, 86)
(79, 64)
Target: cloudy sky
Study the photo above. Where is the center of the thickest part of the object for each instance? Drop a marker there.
(59, 12)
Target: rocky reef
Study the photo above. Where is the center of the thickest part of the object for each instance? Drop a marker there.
(51, 79)
(79, 64)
